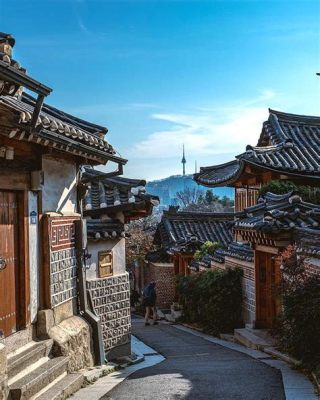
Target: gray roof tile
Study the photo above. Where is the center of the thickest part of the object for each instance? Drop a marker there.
(177, 231)
(288, 143)
(276, 213)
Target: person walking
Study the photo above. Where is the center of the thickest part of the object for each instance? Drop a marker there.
(149, 301)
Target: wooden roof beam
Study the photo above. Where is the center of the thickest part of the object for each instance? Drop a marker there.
(10, 74)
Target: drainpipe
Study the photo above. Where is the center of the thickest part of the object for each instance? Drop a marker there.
(85, 312)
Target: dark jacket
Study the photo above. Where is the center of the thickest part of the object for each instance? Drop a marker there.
(149, 295)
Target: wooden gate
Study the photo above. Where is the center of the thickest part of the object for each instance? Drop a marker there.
(9, 263)
(267, 281)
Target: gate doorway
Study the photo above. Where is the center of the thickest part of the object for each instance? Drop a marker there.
(267, 281)
(9, 263)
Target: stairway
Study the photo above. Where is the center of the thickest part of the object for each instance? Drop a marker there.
(34, 374)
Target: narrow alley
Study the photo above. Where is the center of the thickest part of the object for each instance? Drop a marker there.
(196, 369)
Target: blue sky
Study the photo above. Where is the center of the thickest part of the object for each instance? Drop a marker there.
(162, 73)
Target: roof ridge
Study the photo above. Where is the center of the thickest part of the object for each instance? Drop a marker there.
(56, 113)
(286, 115)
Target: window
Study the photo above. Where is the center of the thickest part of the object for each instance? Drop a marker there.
(105, 264)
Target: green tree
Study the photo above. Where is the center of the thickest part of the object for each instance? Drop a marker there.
(307, 193)
(211, 198)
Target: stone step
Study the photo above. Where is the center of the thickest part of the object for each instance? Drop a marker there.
(27, 356)
(64, 388)
(37, 379)
(227, 337)
(247, 338)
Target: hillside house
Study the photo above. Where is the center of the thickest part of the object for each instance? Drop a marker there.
(287, 150)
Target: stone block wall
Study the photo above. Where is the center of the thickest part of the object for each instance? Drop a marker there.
(163, 275)
(111, 303)
(248, 288)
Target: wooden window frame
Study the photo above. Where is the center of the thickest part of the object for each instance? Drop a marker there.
(102, 254)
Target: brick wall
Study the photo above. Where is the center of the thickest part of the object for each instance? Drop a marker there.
(163, 275)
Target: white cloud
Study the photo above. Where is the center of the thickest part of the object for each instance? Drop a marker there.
(207, 131)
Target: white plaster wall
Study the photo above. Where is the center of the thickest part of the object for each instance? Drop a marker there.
(33, 256)
(59, 192)
(119, 256)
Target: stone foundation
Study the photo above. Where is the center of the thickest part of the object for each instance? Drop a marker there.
(72, 338)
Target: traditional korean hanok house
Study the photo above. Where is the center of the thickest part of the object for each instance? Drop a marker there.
(109, 204)
(41, 151)
(179, 235)
(288, 149)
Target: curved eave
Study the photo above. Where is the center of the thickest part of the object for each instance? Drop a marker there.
(227, 180)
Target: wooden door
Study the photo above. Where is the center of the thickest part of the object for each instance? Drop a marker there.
(267, 280)
(9, 263)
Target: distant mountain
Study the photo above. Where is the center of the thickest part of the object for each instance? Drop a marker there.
(167, 188)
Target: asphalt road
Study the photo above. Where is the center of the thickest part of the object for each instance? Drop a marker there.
(197, 369)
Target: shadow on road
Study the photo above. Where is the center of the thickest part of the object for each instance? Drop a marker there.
(197, 369)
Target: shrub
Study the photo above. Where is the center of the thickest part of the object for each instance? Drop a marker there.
(207, 248)
(307, 193)
(213, 299)
(300, 320)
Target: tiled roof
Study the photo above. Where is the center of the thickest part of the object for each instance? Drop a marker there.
(179, 230)
(204, 262)
(98, 229)
(218, 175)
(276, 213)
(116, 194)
(239, 250)
(288, 143)
(58, 129)
(308, 242)
(158, 256)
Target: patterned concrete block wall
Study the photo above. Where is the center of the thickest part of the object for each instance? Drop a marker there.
(60, 259)
(163, 275)
(248, 288)
(312, 266)
(111, 302)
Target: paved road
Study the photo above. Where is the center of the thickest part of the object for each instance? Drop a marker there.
(197, 369)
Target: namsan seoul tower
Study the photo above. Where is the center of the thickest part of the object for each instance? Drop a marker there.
(183, 161)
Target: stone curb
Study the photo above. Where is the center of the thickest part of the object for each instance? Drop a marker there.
(316, 380)
(282, 356)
